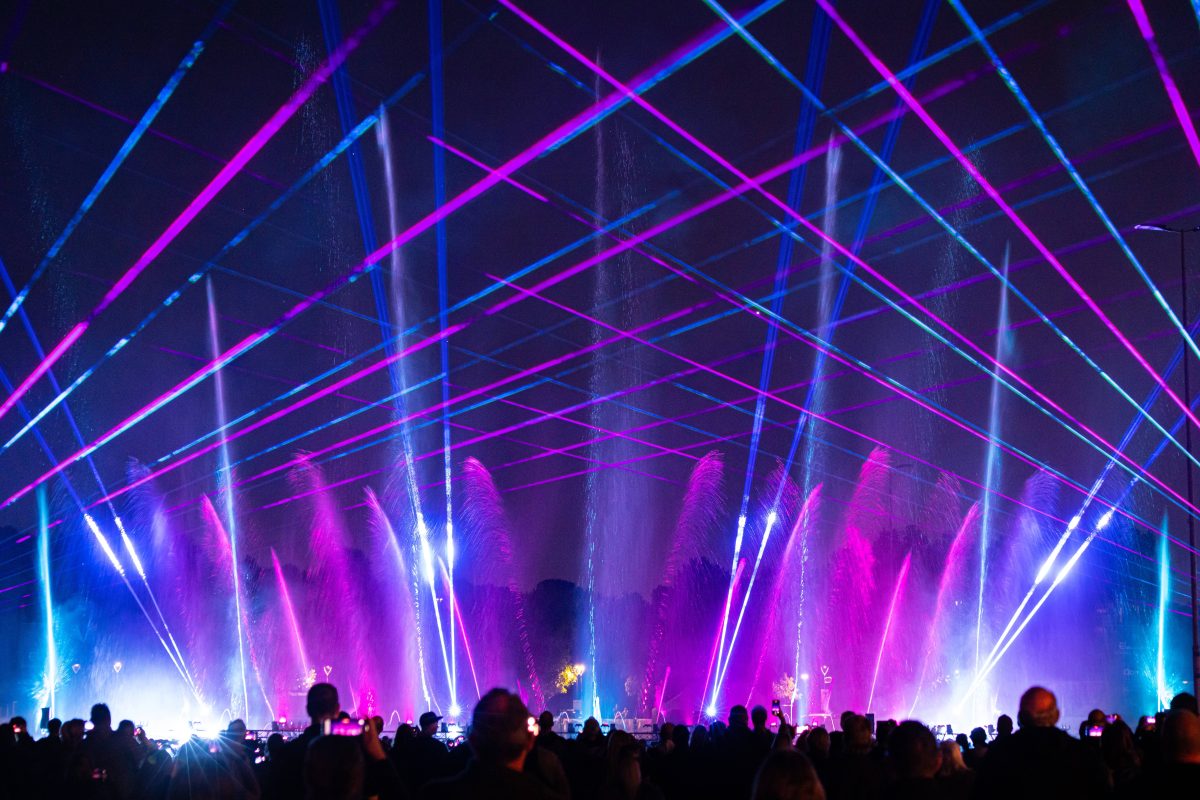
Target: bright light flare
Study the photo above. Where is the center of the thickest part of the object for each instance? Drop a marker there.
(133, 556)
(104, 545)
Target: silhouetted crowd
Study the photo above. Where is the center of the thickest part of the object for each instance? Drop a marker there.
(509, 754)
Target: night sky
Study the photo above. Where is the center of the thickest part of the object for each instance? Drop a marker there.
(675, 328)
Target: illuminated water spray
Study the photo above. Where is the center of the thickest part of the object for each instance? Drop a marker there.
(411, 593)
(424, 549)
(297, 639)
(43, 550)
(102, 540)
(225, 489)
(887, 625)
(991, 472)
(1161, 690)
(141, 571)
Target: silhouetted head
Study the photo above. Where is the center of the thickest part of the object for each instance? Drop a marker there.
(322, 702)
(914, 750)
(818, 743)
(429, 723)
(680, 736)
(857, 731)
(952, 758)
(699, 736)
(1097, 717)
(501, 730)
(758, 716)
(1004, 725)
(546, 721)
(739, 717)
(53, 727)
(333, 768)
(72, 732)
(1038, 708)
(665, 732)
(787, 775)
(844, 718)
(19, 726)
(979, 737)
(963, 742)
(101, 717)
(1181, 737)
(127, 729)
(591, 728)
(1184, 701)
(275, 743)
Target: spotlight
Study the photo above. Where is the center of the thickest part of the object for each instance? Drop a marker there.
(580, 669)
(804, 676)
(455, 710)
(711, 710)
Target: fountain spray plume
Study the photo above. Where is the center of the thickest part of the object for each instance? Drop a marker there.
(141, 571)
(782, 609)
(952, 570)
(412, 649)
(779, 485)
(225, 488)
(400, 379)
(887, 625)
(302, 662)
(43, 549)
(485, 514)
(226, 562)
(711, 708)
(341, 589)
(94, 527)
(699, 512)
(1161, 691)
(992, 464)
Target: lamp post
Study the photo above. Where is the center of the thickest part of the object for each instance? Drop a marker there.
(1187, 436)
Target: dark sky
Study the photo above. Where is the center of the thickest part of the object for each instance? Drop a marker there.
(79, 75)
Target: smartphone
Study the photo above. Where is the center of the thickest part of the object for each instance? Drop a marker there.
(1111, 718)
(775, 706)
(1149, 723)
(1095, 730)
(342, 727)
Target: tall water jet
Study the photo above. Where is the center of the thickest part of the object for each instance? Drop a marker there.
(786, 612)
(488, 522)
(402, 604)
(303, 665)
(775, 512)
(50, 679)
(1161, 690)
(700, 510)
(991, 471)
(887, 627)
(850, 585)
(225, 488)
(940, 632)
(340, 594)
(226, 563)
(619, 515)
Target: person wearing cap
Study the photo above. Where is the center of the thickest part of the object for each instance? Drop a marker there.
(425, 758)
(501, 739)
